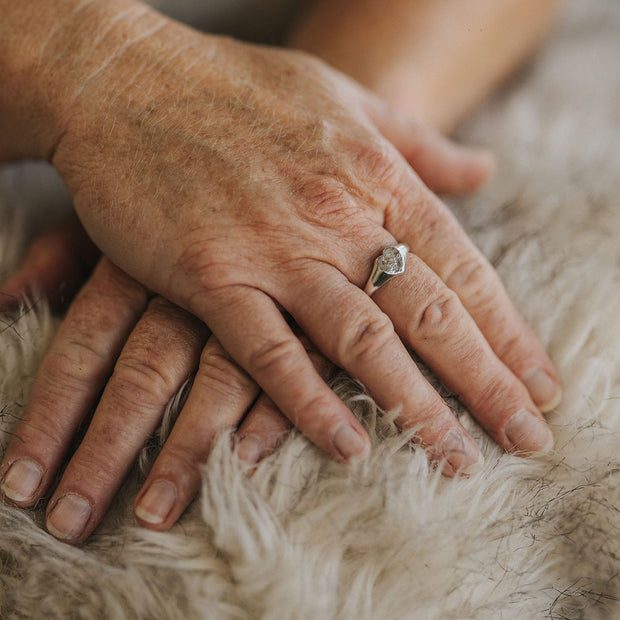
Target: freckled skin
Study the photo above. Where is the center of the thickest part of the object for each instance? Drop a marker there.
(224, 165)
(239, 182)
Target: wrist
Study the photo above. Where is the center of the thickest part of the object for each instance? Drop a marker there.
(47, 52)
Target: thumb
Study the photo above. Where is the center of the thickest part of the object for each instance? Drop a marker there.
(444, 166)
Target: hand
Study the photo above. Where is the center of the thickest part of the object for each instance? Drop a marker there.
(229, 187)
(151, 150)
(141, 352)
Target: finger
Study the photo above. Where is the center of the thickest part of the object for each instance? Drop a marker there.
(445, 166)
(220, 396)
(432, 232)
(265, 428)
(355, 334)
(262, 432)
(56, 265)
(161, 352)
(69, 380)
(253, 331)
(430, 318)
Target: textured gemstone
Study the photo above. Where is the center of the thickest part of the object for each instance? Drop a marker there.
(391, 261)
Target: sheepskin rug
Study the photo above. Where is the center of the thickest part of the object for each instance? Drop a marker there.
(390, 538)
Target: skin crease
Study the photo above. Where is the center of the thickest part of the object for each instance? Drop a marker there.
(301, 192)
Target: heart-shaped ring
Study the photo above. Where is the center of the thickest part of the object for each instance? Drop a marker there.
(389, 264)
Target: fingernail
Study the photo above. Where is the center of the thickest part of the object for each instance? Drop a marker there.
(21, 482)
(157, 502)
(528, 433)
(250, 449)
(545, 392)
(69, 517)
(349, 443)
(462, 453)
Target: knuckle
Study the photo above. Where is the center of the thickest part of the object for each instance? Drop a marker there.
(97, 462)
(183, 456)
(313, 419)
(473, 281)
(140, 384)
(514, 348)
(436, 315)
(378, 161)
(275, 359)
(325, 197)
(369, 339)
(41, 424)
(474, 356)
(75, 365)
(218, 372)
(493, 394)
(433, 414)
(207, 268)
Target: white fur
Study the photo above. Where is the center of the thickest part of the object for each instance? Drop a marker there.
(390, 538)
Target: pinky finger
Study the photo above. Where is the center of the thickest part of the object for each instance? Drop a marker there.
(262, 432)
(264, 429)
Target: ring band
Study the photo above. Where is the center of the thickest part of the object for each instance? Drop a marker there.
(389, 264)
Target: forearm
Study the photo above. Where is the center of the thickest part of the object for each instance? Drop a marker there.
(47, 50)
(434, 59)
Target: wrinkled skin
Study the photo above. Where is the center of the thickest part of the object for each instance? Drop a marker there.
(269, 184)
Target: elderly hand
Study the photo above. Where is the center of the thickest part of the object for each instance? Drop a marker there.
(141, 352)
(236, 180)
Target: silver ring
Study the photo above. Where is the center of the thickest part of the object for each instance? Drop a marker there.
(391, 263)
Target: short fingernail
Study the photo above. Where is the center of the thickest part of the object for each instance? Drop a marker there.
(157, 502)
(251, 449)
(528, 433)
(22, 481)
(350, 443)
(69, 517)
(545, 391)
(462, 453)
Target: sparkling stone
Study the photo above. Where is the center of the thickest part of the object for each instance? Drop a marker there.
(391, 261)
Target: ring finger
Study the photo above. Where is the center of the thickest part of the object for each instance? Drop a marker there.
(430, 318)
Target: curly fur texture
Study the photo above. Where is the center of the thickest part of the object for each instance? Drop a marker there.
(390, 538)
